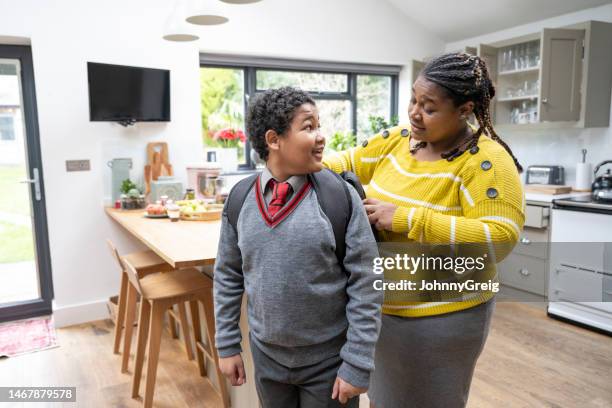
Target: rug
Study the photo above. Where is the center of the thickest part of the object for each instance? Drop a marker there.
(27, 336)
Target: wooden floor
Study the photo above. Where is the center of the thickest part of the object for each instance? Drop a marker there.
(85, 360)
(530, 360)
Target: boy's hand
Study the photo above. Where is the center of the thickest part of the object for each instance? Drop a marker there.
(233, 368)
(380, 213)
(344, 391)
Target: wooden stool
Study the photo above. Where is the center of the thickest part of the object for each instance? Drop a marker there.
(208, 350)
(146, 263)
(158, 293)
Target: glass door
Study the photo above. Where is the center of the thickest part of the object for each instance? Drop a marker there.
(25, 273)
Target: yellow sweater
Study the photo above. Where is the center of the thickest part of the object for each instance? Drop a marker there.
(476, 198)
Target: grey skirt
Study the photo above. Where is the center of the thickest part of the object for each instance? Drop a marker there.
(428, 361)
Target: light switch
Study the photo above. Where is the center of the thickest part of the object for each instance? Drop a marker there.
(77, 165)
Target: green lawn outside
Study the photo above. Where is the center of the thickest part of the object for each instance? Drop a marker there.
(14, 197)
(16, 243)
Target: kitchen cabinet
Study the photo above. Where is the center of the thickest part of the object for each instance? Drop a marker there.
(526, 267)
(555, 78)
(524, 272)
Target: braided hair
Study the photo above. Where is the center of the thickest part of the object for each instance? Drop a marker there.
(466, 78)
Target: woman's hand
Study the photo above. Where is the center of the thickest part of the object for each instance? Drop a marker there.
(380, 213)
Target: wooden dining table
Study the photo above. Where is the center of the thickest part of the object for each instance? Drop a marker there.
(190, 243)
(181, 244)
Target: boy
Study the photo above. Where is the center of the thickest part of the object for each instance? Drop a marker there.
(313, 321)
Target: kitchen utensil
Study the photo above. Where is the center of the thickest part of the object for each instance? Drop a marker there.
(197, 173)
(583, 176)
(157, 163)
(602, 186)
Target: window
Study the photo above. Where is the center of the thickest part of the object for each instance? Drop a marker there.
(347, 95)
(222, 96)
(373, 99)
(7, 128)
(308, 81)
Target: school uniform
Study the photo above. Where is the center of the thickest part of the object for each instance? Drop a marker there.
(310, 318)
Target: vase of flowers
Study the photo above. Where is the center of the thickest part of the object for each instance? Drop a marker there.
(228, 140)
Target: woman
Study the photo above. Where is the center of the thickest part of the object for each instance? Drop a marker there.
(439, 180)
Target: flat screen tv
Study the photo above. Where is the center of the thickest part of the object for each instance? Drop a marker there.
(123, 94)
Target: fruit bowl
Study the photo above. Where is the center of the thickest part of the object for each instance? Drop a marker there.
(201, 212)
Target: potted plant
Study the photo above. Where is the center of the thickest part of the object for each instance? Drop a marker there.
(379, 123)
(131, 197)
(341, 141)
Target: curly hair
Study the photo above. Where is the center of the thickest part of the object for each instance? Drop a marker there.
(466, 78)
(273, 110)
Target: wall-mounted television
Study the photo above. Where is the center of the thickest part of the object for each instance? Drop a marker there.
(124, 94)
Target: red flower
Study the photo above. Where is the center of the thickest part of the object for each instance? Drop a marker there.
(229, 134)
(241, 135)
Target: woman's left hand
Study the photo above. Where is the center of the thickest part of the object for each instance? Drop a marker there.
(380, 213)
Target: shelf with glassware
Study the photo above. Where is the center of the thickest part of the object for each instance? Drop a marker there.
(556, 78)
(518, 84)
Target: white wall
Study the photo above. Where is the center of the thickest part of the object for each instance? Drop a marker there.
(553, 146)
(64, 34)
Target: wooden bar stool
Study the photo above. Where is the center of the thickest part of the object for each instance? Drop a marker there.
(145, 263)
(208, 350)
(158, 293)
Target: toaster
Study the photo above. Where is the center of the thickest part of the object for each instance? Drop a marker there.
(545, 175)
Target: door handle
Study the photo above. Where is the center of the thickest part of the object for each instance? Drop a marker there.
(544, 100)
(525, 241)
(36, 182)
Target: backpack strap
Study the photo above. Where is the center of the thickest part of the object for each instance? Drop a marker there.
(236, 198)
(327, 184)
(353, 180)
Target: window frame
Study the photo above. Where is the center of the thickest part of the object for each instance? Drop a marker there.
(250, 66)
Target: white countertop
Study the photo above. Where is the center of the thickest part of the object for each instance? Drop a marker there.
(547, 198)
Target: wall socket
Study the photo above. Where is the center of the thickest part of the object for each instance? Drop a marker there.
(77, 165)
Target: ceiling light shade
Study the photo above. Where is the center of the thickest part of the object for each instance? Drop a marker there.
(176, 29)
(206, 12)
(178, 37)
(240, 1)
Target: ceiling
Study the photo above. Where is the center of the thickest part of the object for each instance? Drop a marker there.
(457, 20)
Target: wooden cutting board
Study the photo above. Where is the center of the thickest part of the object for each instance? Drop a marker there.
(157, 163)
(547, 189)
